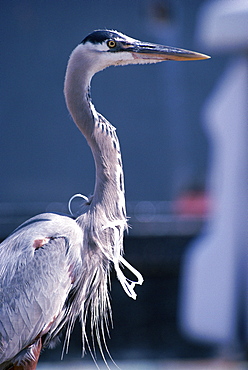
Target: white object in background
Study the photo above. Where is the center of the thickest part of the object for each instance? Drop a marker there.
(216, 269)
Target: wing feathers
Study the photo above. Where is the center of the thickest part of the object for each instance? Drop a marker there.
(34, 285)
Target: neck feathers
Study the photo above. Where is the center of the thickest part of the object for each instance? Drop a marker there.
(99, 133)
(104, 220)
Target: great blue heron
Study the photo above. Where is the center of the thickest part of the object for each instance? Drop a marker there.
(54, 268)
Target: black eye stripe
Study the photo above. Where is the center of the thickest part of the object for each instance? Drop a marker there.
(100, 36)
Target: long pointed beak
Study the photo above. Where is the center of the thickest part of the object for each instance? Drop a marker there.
(156, 52)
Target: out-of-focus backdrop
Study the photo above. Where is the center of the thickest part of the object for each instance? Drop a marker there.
(166, 149)
(156, 108)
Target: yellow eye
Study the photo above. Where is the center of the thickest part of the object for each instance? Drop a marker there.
(111, 44)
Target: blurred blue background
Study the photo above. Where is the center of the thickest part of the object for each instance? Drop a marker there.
(154, 107)
(44, 159)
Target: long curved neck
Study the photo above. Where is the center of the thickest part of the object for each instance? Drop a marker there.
(100, 135)
(104, 222)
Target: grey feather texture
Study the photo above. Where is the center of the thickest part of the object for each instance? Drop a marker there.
(36, 283)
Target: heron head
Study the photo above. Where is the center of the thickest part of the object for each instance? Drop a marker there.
(106, 48)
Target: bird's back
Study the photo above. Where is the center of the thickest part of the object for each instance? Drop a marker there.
(39, 264)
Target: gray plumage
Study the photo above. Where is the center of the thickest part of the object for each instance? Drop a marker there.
(54, 268)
